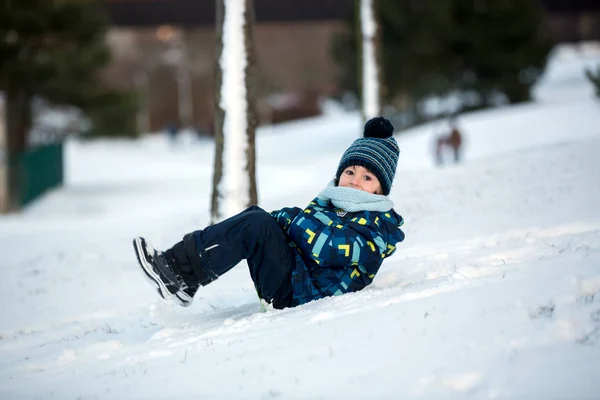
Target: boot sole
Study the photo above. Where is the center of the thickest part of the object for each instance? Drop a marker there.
(181, 298)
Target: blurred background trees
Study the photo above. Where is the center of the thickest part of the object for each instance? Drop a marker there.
(51, 53)
(437, 54)
(53, 50)
(484, 52)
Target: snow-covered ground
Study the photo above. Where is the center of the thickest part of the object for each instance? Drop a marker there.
(494, 294)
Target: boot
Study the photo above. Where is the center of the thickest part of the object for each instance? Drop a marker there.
(163, 274)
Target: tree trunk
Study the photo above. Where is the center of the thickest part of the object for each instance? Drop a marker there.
(18, 123)
(251, 92)
(370, 59)
(219, 115)
(234, 178)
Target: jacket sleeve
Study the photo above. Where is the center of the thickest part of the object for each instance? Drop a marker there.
(360, 242)
(285, 216)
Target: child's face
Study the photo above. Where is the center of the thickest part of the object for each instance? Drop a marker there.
(358, 177)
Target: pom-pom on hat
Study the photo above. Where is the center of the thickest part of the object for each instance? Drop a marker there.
(377, 151)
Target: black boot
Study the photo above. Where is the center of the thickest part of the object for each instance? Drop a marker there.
(164, 274)
(180, 262)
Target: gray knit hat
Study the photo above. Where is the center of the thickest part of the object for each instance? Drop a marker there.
(377, 151)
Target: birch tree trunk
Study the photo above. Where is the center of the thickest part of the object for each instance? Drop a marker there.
(234, 179)
(370, 59)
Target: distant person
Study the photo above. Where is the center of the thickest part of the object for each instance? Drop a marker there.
(172, 130)
(452, 141)
(333, 246)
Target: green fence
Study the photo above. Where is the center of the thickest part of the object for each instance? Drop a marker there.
(39, 169)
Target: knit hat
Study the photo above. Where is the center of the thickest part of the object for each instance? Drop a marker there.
(377, 151)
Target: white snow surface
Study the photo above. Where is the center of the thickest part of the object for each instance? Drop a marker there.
(234, 185)
(495, 292)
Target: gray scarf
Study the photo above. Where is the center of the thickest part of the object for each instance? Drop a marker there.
(353, 200)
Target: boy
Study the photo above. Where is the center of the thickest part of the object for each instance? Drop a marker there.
(334, 246)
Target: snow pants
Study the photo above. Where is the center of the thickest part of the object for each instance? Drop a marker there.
(252, 235)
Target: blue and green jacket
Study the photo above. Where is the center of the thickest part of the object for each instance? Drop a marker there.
(336, 251)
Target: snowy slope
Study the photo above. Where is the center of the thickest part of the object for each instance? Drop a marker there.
(494, 294)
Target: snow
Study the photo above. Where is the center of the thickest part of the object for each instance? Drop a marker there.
(370, 80)
(234, 184)
(495, 292)
(564, 76)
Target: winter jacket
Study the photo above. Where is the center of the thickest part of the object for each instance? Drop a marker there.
(336, 251)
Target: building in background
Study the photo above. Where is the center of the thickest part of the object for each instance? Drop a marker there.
(165, 49)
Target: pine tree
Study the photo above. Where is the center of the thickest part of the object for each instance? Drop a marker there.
(433, 48)
(501, 46)
(415, 56)
(53, 50)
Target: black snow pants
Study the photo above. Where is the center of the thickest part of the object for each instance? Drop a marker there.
(253, 235)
